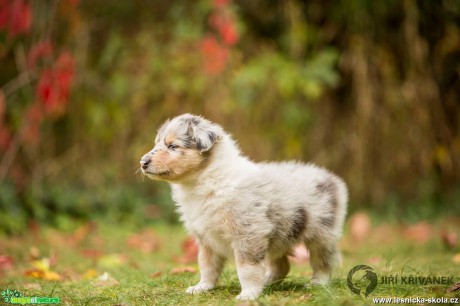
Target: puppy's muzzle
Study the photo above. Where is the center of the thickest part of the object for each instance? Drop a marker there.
(145, 164)
(146, 160)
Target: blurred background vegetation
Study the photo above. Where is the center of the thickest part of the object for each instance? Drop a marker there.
(369, 89)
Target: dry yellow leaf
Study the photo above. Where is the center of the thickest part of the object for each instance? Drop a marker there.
(456, 258)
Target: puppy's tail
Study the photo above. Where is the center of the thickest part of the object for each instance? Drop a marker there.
(341, 197)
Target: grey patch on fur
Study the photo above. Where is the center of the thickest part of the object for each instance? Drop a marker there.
(187, 142)
(298, 223)
(327, 258)
(321, 256)
(253, 257)
(195, 120)
(327, 221)
(212, 139)
(273, 216)
(328, 188)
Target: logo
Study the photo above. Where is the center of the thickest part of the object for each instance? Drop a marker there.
(15, 297)
(8, 294)
(364, 282)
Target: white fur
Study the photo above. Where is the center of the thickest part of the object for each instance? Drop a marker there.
(251, 212)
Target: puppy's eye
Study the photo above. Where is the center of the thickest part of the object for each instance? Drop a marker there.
(172, 146)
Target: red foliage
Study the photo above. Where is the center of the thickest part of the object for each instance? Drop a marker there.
(5, 135)
(5, 138)
(146, 241)
(228, 33)
(73, 2)
(4, 14)
(6, 262)
(221, 3)
(16, 16)
(42, 49)
(65, 69)
(420, 232)
(215, 48)
(215, 55)
(54, 85)
(190, 250)
(360, 226)
(224, 24)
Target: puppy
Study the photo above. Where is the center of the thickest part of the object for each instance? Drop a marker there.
(254, 212)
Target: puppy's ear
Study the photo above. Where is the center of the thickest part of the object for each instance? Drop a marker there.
(203, 132)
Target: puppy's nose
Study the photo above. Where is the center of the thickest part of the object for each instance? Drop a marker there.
(145, 163)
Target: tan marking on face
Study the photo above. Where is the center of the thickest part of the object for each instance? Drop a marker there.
(170, 139)
(177, 163)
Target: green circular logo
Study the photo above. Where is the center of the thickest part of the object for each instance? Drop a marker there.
(364, 282)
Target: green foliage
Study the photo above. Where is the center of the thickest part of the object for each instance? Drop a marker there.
(367, 89)
(54, 204)
(274, 75)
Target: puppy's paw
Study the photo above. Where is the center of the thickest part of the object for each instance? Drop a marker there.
(247, 295)
(320, 279)
(198, 288)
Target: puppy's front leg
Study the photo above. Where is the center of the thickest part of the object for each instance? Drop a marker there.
(211, 265)
(251, 273)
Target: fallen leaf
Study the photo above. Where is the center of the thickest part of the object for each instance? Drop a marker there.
(105, 280)
(454, 287)
(360, 226)
(300, 254)
(34, 273)
(190, 250)
(374, 260)
(52, 276)
(156, 274)
(34, 253)
(40, 274)
(183, 269)
(91, 254)
(6, 262)
(90, 274)
(104, 277)
(449, 239)
(305, 297)
(456, 258)
(420, 232)
(41, 264)
(146, 241)
(111, 261)
(41, 270)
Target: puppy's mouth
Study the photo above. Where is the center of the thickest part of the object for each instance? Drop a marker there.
(157, 173)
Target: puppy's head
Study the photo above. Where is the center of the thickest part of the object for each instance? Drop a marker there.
(182, 146)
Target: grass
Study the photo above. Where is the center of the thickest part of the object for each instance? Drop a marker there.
(144, 277)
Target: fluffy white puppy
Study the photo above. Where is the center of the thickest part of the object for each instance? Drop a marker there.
(254, 212)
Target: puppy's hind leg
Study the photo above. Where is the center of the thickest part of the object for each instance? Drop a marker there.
(323, 258)
(277, 269)
(211, 265)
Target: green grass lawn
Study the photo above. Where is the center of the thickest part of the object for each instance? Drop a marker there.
(141, 268)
